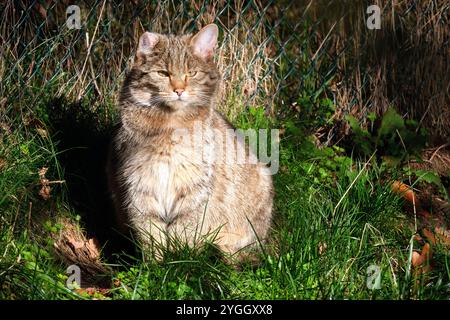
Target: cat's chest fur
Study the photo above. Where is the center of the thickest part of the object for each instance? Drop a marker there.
(161, 174)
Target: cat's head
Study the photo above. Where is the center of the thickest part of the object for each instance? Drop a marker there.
(174, 72)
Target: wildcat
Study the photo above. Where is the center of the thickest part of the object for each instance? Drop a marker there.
(163, 188)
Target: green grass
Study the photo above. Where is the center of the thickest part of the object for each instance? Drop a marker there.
(318, 249)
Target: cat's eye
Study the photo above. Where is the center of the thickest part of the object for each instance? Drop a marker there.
(163, 73)
(192, 73)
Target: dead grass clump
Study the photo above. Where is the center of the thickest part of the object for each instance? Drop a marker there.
(405, 64)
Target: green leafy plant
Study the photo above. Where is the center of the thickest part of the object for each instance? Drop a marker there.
(394, 137)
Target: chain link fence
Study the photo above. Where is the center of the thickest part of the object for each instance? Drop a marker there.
(285, 56)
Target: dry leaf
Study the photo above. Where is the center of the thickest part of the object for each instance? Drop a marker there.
(422, 261)
(405, 191)
(45, 185)
(45, 192)
(429, 235)
(416, 259)
(439, 236)
(443, 235)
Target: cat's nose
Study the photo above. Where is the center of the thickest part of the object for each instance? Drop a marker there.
(179, 91)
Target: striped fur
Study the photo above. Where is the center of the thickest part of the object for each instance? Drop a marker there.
(163, 188)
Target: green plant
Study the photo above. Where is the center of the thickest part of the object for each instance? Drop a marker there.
(394, 137)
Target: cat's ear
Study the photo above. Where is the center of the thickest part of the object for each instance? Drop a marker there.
(204, 42)
(147, 42)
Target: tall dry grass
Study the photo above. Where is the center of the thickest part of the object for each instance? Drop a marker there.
(39, 50)
(405, 64)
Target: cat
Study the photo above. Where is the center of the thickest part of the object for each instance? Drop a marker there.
(164, 188)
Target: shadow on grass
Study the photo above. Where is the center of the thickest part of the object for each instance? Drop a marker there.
(83, 135)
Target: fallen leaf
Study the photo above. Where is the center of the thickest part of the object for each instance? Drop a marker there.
(405, 191)
(422, 261)
(416, 259)
(439, 236)
(45, 192)
(429, 235)
(443, 235)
